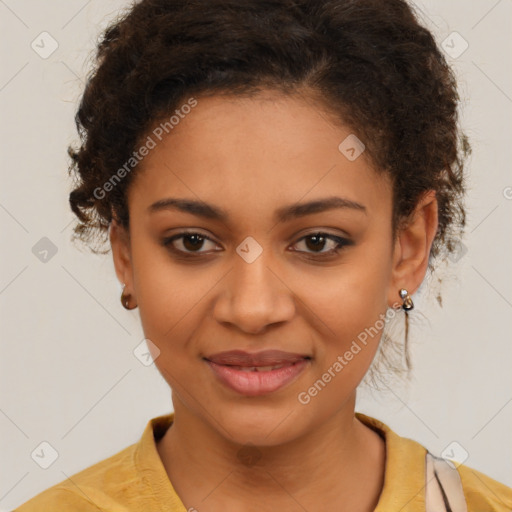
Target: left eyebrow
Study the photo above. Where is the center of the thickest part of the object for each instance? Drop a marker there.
(283, 214)
(320, 205)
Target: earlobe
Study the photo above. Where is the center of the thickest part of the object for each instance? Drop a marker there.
(412, 247)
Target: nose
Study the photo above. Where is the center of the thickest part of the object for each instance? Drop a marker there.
(254, 296)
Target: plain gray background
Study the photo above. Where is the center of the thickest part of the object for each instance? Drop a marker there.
(68, 372)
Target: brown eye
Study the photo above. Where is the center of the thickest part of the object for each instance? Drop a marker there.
(316, 242)
(188, 242)
(193, 242)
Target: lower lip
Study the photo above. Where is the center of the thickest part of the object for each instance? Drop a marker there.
(254, 383)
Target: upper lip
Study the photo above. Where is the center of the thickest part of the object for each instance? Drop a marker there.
(263, 358)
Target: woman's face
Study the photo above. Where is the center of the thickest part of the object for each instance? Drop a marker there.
(255, 277)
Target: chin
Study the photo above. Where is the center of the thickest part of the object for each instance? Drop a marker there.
(258, 425)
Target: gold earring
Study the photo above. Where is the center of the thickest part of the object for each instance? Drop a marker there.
(125, 300)
(407, 303)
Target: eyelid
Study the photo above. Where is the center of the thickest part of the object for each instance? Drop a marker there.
(324, 230)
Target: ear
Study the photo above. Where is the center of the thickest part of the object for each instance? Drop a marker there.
(121, 253)
(412, 247)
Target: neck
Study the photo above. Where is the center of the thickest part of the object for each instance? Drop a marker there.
(341, 462)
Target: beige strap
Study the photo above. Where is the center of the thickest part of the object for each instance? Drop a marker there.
(443, 487)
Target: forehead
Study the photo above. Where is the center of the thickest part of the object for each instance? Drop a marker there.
(254, 154)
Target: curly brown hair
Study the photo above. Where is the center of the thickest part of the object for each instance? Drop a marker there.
(370, 63)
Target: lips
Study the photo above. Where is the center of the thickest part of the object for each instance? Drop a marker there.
(258, 373)
(262, 359)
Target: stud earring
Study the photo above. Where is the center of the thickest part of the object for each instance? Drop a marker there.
(407, 303)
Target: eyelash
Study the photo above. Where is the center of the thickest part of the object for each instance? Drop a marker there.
(341, 243)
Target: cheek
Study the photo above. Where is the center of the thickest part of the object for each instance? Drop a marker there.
(170, 296)
(349, 315)
(348, 298)
(172, 309)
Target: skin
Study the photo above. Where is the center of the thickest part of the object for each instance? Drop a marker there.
(251, 156)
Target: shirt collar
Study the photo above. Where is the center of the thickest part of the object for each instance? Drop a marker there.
(404, 477)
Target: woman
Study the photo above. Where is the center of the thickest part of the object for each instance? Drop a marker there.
(275, 178)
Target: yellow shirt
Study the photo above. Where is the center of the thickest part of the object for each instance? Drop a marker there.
(135, 479)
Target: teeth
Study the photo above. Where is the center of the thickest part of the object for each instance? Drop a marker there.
(257, 368)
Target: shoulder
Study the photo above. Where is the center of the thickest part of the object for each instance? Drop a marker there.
(406, 474)
(56, 498)
(89, 489)
(483, 492)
